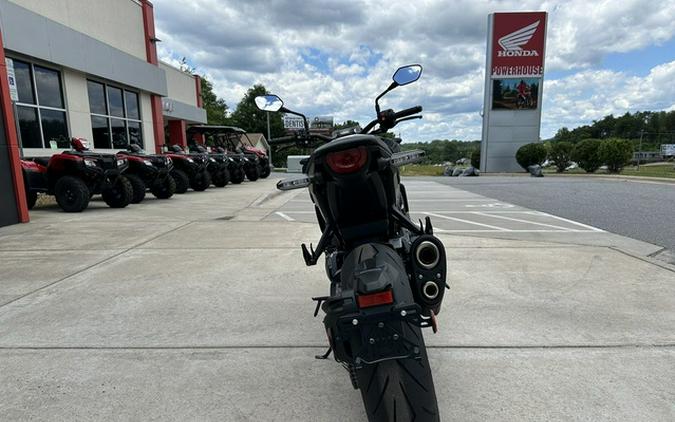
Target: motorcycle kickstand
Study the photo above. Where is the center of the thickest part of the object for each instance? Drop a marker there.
(325, 355)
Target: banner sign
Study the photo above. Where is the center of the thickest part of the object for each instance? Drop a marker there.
(322, 122)
(518, 41)
(11, 78)
(293, 122)
(668, 150)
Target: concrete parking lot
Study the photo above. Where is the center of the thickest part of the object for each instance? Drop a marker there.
(198, 308)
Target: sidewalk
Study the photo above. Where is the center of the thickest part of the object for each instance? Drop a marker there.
(198, 308)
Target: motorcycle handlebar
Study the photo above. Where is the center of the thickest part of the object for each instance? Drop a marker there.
(408, 112)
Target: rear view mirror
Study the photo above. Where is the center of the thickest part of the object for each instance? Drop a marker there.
(407, 74)
(269, 103)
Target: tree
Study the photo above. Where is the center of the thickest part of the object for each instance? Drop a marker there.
(216, 108)
(531, 154)
(248, 117)
(615, 153)
(585, 153)
(346, 124)
(561, 154)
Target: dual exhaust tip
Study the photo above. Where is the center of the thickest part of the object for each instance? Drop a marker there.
(427, 256)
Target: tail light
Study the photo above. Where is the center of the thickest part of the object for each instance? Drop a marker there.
(375, 299)
(347, 161)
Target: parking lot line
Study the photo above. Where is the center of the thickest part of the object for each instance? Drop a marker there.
(461, 220)
(520, 220)
(284, 216)
(595, 229)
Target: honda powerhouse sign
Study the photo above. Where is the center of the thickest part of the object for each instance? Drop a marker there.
(518, 44)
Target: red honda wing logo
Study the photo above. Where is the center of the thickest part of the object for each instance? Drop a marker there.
(518, 44)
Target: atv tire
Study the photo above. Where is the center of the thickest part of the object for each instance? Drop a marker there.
(201, 181)
(31, 198)
(401, 389)
(252, 173)
(221, 178)
(119, 194)
(164, 189)
(237, 176)
(138, 188)
(72, 194)
(182, 180)
(265, 171)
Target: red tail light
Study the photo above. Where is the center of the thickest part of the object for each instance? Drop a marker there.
(347, 161)
(375, 299)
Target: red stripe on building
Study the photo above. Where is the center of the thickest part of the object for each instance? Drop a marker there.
(151, 53)
(12, 139)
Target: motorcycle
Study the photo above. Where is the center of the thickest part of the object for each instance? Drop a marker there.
(387, 274)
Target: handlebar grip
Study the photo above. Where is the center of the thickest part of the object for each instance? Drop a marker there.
(408, 112)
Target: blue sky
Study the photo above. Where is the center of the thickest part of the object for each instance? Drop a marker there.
(330, 57)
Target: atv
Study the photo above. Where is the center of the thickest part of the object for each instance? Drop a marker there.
(228, 138)
(148, 171)
(218, 165)
(189, 170)
(74, 176)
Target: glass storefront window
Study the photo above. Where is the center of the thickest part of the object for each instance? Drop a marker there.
(115, 116)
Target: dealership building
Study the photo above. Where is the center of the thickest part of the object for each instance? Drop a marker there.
(85, 68)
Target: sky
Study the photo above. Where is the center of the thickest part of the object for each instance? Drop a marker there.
(333, 57)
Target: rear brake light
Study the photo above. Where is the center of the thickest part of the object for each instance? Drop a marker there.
(375, 299)
(347, 161)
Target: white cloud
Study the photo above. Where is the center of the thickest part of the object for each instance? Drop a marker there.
(354, 47)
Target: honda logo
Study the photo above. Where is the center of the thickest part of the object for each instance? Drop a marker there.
(512, 44)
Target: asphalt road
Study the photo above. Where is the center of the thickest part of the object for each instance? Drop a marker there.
(640, 210)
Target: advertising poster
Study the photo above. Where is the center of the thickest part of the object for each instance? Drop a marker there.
(515, 94)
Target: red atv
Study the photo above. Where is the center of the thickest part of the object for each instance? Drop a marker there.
(189, 170)
(73, 177)
(148, 171)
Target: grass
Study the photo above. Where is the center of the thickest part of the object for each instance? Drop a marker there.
(422, 170)
(655, 170)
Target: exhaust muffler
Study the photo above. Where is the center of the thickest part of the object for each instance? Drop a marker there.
(430, 290)
(427, 255)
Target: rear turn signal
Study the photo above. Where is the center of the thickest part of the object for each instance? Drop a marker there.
(347, 161)
(375, 299)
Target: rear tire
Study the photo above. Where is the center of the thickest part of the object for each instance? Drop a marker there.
(72, 194)
(221, 178)
(120, 194)
(252, 173)
(164, 189)
(138, 188)
(399, 390)
(182, 180)
(31, 198)
(201, 181)
(265, 171)
(237, 176)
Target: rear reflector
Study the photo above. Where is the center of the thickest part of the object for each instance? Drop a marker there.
(347, 161)
(375, 299)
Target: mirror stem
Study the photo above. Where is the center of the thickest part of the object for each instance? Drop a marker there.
(377, 100)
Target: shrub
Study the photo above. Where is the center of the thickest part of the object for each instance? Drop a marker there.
(585, 153)
(531, 154)
(475, 158)
(561, 154)
(615, 153)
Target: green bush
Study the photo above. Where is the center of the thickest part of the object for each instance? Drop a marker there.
(475, 158)
(531, 154)
(585, 153)
(615, 153)
(561, 154)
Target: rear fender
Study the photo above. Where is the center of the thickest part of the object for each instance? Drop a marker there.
(368, 335)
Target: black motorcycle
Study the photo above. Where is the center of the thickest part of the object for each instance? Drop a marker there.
(387, 274)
